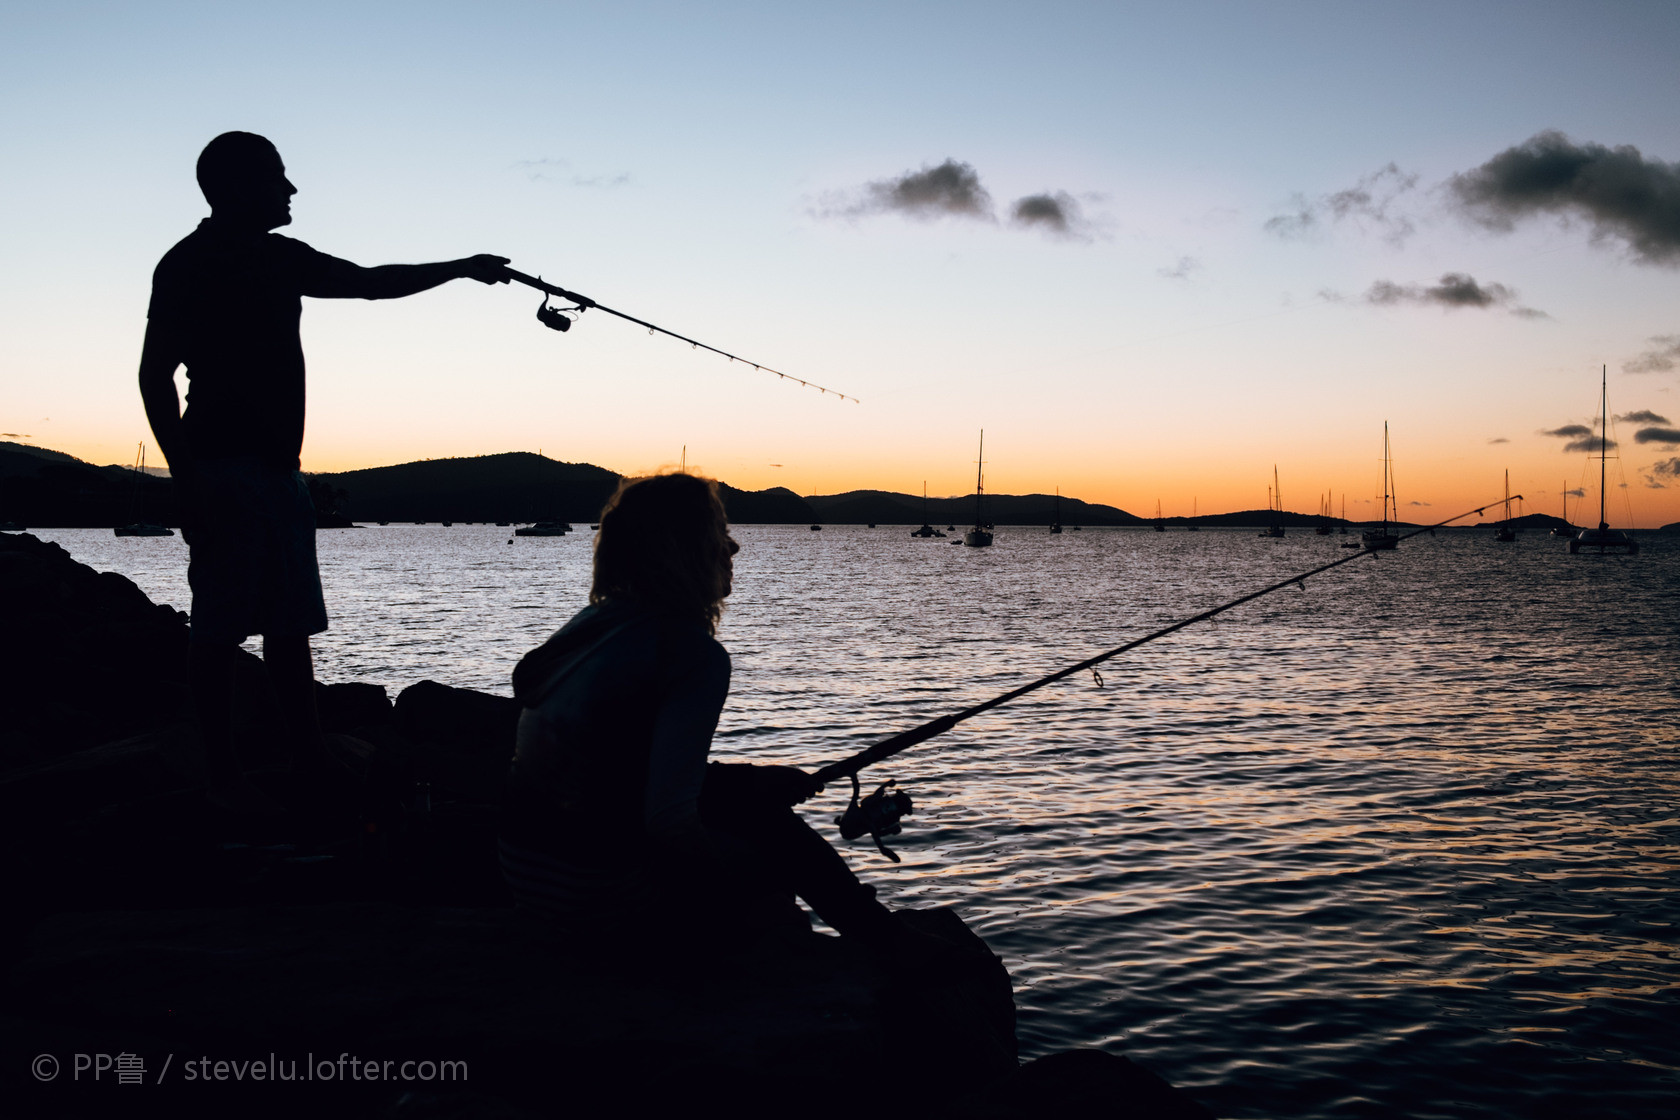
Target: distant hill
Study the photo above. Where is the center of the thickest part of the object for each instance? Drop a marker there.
(38, 452)
(1529, 521)
(518, 486)
(45, 489)
(882, 507)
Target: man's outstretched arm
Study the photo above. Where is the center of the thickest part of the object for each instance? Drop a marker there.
(393, 281)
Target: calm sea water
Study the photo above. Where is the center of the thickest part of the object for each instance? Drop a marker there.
(1402, 844)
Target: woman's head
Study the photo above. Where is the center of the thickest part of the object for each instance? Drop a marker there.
(664, 542)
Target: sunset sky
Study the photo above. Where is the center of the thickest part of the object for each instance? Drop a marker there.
(1151, 249)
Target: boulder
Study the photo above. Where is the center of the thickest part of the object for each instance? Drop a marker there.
(541, 1024)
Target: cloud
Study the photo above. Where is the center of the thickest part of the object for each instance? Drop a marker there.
(1416, 503)
(15, 435)
(1579, 437)
(1643, 416)
(1576, 493)
(1621, 194)
(949, 189)
(1055, 212)
(1368, 205)
(1452, 291)
(1499, 439)
(559, 171)
(1666, 468)
(1666, 436)
(1181, 270)
(1661, 358)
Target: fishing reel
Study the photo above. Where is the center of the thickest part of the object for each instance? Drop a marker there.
(878, 814)
(555, 318)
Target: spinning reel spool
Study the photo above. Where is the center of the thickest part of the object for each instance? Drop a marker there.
(555, 318)
(878, 815)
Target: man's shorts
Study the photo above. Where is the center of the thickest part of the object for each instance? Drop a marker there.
(253, 565)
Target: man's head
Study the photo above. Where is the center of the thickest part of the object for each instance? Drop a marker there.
(244, 181)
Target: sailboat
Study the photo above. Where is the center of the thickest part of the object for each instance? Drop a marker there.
(1603, 538)
(1564, 530)
(1503, 531)
(1274, 506)
(927, 529)
(1343, 529)
(137, 527)
(1323, 527)
(1160, 525)
(978, 537)
(1193, 527)
(1056, 520)
(1379, 539)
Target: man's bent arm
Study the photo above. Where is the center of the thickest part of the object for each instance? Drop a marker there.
(159, 360)
(393, 281)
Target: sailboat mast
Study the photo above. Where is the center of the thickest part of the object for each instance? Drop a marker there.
(979, 478)
(1603, 439)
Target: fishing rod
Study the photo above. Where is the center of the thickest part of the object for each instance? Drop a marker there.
(560, 319)
(879, 813)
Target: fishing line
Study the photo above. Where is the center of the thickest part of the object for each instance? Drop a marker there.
(886, 748)
(560, 319)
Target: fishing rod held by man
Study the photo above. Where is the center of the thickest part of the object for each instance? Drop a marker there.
(562, 318)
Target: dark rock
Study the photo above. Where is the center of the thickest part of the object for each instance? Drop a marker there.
(790, 1022)
(1096, 1084)
(352, 707)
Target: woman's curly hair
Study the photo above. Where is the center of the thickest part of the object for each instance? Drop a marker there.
(664, 543)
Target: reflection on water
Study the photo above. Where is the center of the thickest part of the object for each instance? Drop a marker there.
(1403, 844)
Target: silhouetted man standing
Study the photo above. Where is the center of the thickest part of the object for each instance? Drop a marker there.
(226, 304)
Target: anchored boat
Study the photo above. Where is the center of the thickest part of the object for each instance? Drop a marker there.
(1604, 539)
(1381, 539)
(979, 536)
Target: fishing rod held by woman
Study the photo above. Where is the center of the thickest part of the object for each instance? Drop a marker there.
(616, 821)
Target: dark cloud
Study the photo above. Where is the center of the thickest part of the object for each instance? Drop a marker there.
(1453, 290)
(1643, 416)
(1666, 436)
(1579, 437)
(1367, 205)
(1663, 356)
(1181, 270)
(15, 435)
(1666, 468)
(1055, 212)
(1499, 439)
(1619, 192)
(1415, 503)
(949, 189)
(1576, 493)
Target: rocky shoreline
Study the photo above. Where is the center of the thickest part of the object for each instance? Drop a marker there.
(314, 955)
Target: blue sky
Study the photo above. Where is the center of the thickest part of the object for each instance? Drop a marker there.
(693, 165)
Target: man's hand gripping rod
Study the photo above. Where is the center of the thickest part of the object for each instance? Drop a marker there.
(556, 319)
(878, 813)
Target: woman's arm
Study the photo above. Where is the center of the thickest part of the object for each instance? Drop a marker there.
(691, 699)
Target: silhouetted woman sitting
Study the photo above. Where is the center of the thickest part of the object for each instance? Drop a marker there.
(616, 822)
